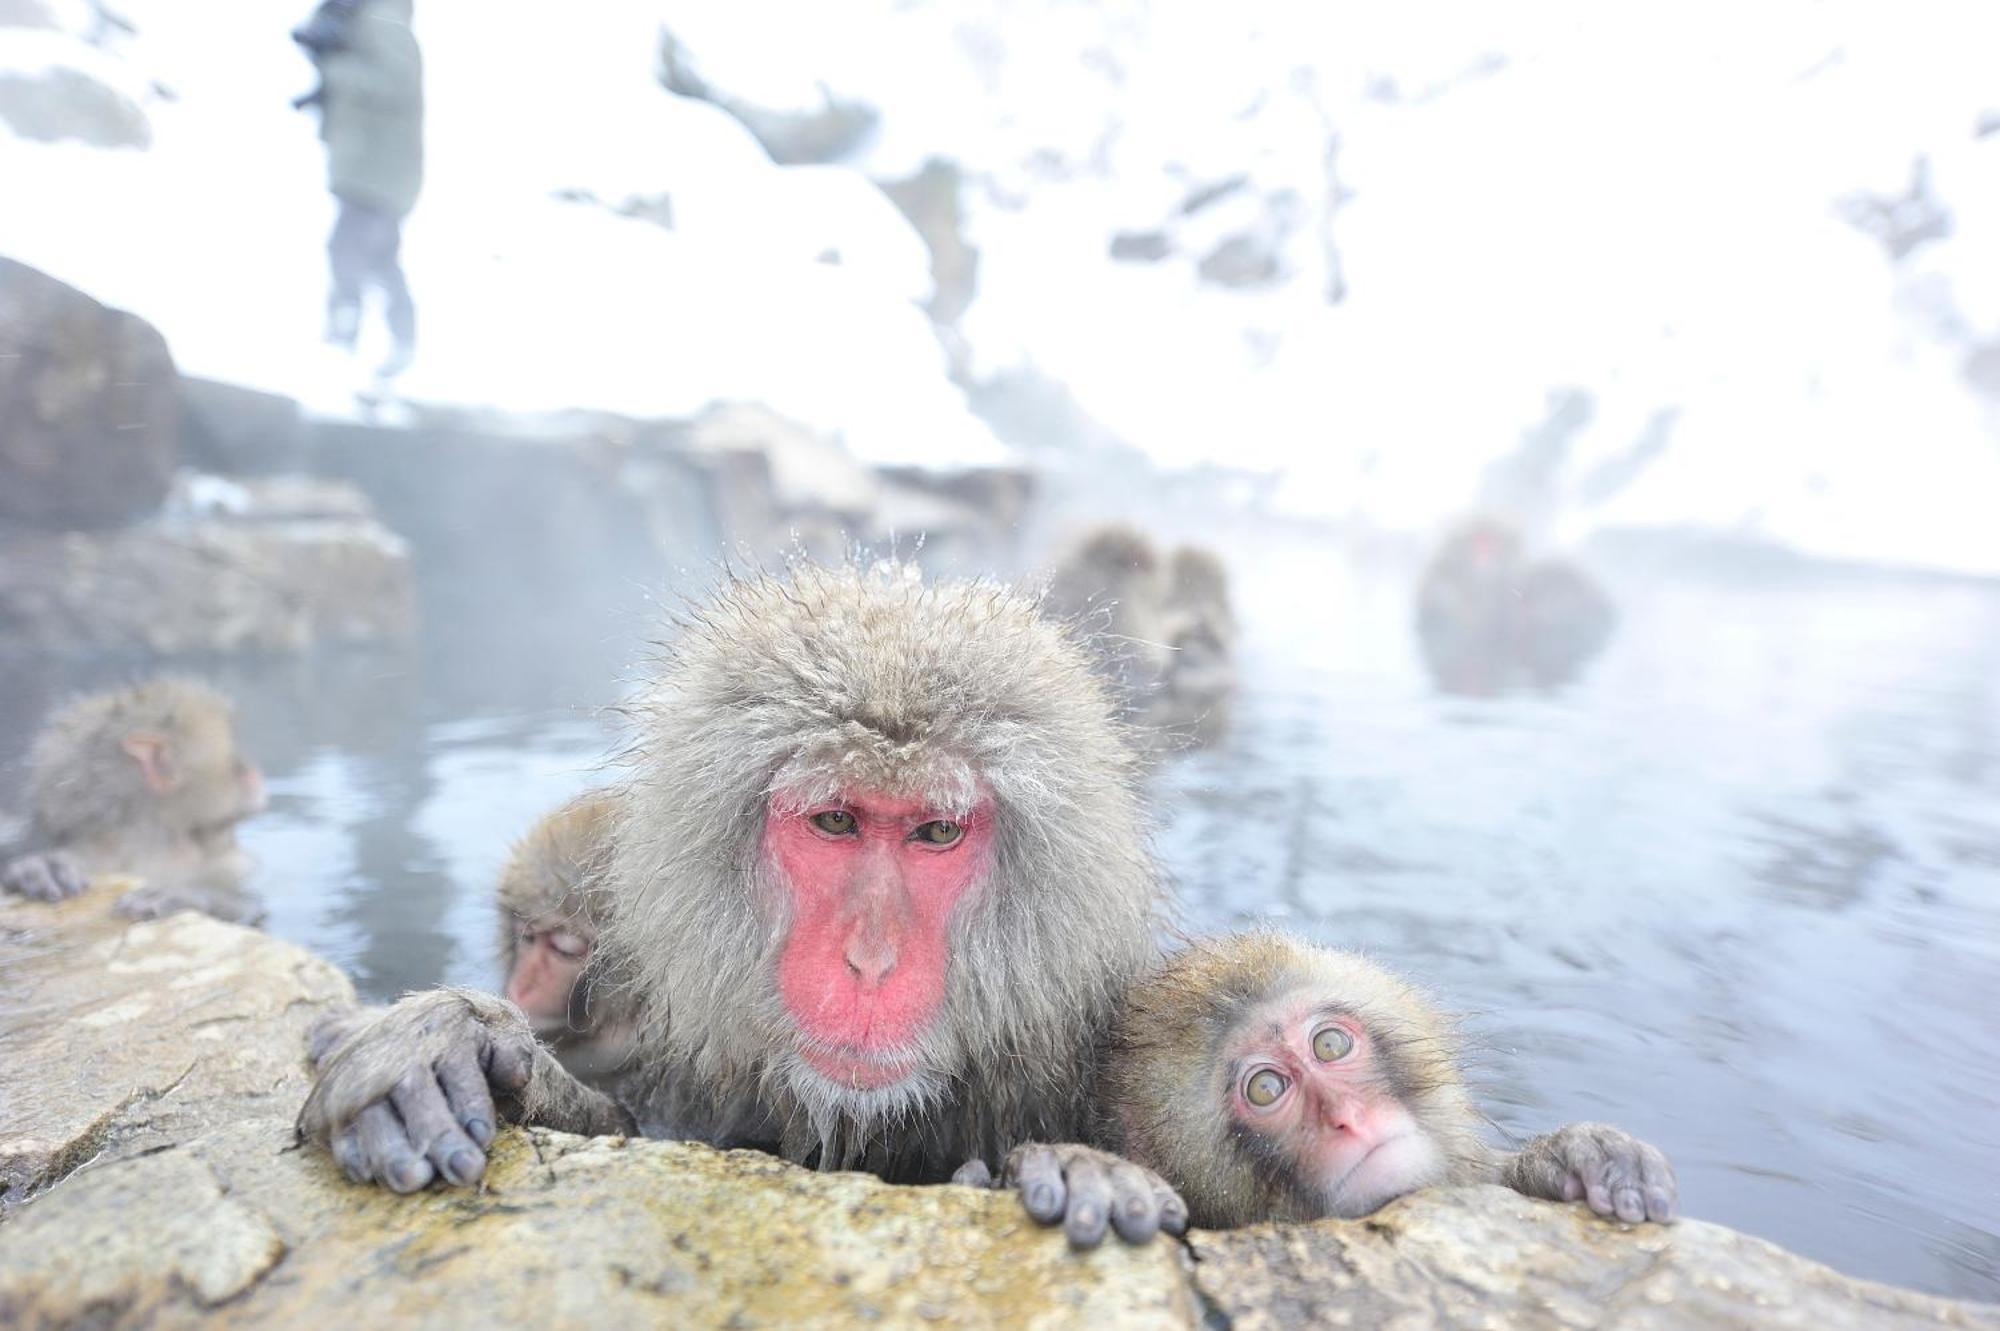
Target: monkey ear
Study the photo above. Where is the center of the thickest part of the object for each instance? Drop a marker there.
(149, 750)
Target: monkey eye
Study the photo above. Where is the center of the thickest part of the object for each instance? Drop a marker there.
(1263, 1087)
(837, 821)
(1331, 1044)
(573, 946)
(939, 832)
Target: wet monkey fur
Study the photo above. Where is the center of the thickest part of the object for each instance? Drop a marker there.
(880, 881)
(1269, 1079)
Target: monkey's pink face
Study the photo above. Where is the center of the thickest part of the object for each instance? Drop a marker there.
(1307, 1077)
(872, 882)
(547, 965)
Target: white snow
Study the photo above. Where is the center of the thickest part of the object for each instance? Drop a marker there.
(1635, 202)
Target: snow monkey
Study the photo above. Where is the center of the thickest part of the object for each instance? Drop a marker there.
(1167, 636)
(1269, 1079)
(1489, 619)
(880, 882)
(145, 781)
(552, 912)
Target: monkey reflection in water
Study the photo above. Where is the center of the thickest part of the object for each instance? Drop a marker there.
(1269, 1079)
(145, 781)
(1489, 619)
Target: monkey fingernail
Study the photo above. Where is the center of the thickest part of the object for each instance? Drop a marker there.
(409, 1176)
(1599, 1198)
(1572, 1189)
(479, 1130)
(463, 1166)
(1630, 1208)
(1659, 1206)
(1042, 1202)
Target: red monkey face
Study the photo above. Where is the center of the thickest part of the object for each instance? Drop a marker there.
(548, 962)
(1307, 1078)
(871, 882)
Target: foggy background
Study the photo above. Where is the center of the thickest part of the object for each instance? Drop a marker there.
(1705, 300)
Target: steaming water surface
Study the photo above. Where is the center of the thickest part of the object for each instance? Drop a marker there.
(1738, 890)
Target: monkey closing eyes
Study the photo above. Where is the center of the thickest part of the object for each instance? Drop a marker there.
(1268, 1079)
(879, 881)
(552, 912)
(144, 781)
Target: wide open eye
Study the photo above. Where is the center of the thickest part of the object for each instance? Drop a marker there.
(839, 822)
(1263, 1087)
(1331, 1044)
(939, 832)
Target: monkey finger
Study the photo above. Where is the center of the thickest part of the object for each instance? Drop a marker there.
(347, 1153)
(1587, 1162)
(1173, 1211)
(66, 876)
(1657, 1179)
(471, 1101)
(386, 1149)
(509, 1057)
(1036, 1172)
(428, 1118)
(1089, 1212)
(1135, 1212)
(973, 1174)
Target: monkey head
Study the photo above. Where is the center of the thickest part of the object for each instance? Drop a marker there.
(881, 851)
(552, 908)
(1268, 1079)
(158, 755)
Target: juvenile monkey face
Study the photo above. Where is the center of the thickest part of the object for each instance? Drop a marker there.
(1308, 1079)
(542, 979)
(870, 882)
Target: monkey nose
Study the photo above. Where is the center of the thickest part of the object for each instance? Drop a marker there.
(870, 960)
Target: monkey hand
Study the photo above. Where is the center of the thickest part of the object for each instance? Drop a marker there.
(412, 1092)
(48, 876)
(1608, 1169)
(1087, 1190)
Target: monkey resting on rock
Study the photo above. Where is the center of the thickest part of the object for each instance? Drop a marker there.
(880, 882)
(1268, 1079)
(145, 781)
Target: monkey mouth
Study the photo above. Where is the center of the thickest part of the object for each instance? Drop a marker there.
(1396, 1165)
(856, 1070)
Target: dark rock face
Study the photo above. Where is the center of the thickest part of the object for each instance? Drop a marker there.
(228, 584)
(239, 431)
(89, 407)
(60, 103)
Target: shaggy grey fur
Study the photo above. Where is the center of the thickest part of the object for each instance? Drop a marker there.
(782, 691)
(791, 689)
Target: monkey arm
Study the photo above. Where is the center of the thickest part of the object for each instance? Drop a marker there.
(1613, 1172)
(414, 1092)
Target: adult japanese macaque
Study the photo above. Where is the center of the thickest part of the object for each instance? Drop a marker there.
(1269, 1079)
(1489, 619)
(147, 782)
(879, 883)
(1162, 627)
(553, 905)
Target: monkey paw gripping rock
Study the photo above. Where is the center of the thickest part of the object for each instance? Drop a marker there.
(167, 1057)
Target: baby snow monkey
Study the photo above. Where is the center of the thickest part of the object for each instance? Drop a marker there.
(1268, 1079)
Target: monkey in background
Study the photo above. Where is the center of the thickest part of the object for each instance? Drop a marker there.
(879, 877)
(1490, 619)
(1166, 633)
(1268, 1079)
(145, 781)
(553, 906)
